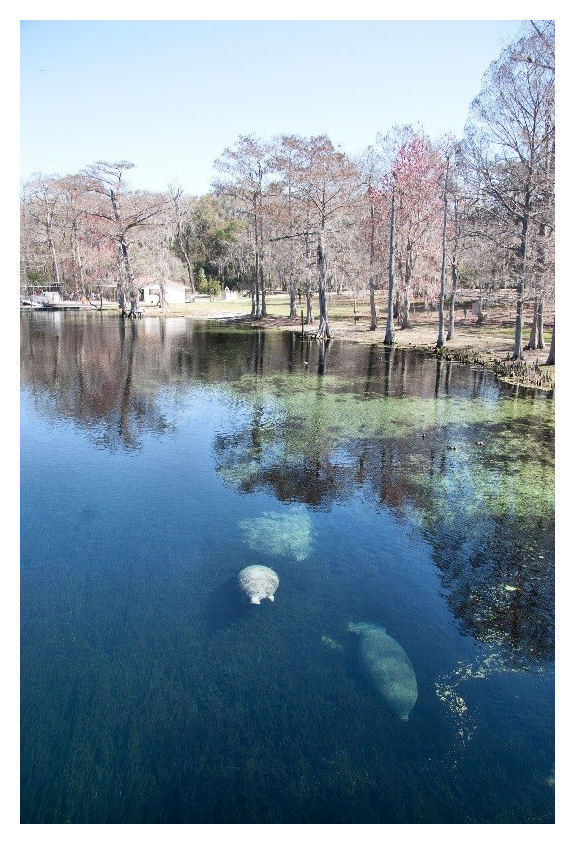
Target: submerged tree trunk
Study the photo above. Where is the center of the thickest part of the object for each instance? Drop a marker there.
(389, 329)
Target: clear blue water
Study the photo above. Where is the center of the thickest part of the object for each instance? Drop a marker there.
(160, 458)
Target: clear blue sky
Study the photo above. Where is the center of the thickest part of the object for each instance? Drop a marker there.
(171, 95)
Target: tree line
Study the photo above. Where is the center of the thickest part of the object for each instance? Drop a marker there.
(413, 217)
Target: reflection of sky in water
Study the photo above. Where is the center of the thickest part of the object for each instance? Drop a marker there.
(160, 459)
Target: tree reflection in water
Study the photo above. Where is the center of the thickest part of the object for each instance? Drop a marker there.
(329, 420)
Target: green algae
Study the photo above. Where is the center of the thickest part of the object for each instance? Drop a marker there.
(280, 534)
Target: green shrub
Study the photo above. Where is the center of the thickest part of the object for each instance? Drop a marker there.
(208, 284)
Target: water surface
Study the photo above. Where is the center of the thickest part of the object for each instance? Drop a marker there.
(158, 459)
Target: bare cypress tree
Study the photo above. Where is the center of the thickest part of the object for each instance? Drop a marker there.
(551, 355)
(440, 335)
(43, 195)
(389, 330)
(250, 163)
(509, 137)
(128, 213)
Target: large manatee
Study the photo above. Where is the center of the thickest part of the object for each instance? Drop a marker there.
(388, 666)
(258, 582)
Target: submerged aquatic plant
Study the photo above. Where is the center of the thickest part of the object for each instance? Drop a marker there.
(280, 534)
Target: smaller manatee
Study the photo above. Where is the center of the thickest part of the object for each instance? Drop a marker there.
(389, 667)
(258, 582)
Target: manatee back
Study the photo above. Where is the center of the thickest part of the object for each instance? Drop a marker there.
(390, 670)
(258, 582)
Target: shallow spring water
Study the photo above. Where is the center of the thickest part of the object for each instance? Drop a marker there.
(160, 458)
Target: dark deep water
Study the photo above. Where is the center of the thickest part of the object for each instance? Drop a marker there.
(160, 458)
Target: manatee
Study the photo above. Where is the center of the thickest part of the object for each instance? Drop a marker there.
(388, 667)
(258, 582)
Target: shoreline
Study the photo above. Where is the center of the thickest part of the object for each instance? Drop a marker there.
(492, 353)
(489, 346)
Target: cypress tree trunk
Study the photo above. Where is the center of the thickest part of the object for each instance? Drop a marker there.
(551, 356)
(264, 311)
(534, 335)
(389, 330)
(323, 331)
(309, 312)
(256, 311)
(440, 333)
(541, 338)
(189, 269)
(128, 283)
(405, 298)
(373, 323)
(257, 287)
(451, 326)
(50, 240)
(292, 302)
(517, 347)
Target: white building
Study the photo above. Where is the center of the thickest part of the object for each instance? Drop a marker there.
(149, 293)
(49, 297)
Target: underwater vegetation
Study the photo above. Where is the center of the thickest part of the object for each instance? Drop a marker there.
(280, 534)
(415, 493)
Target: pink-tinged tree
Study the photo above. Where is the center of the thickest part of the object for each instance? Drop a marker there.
(418, 206)
(389, 338)
(445, 199)
(77, 201)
